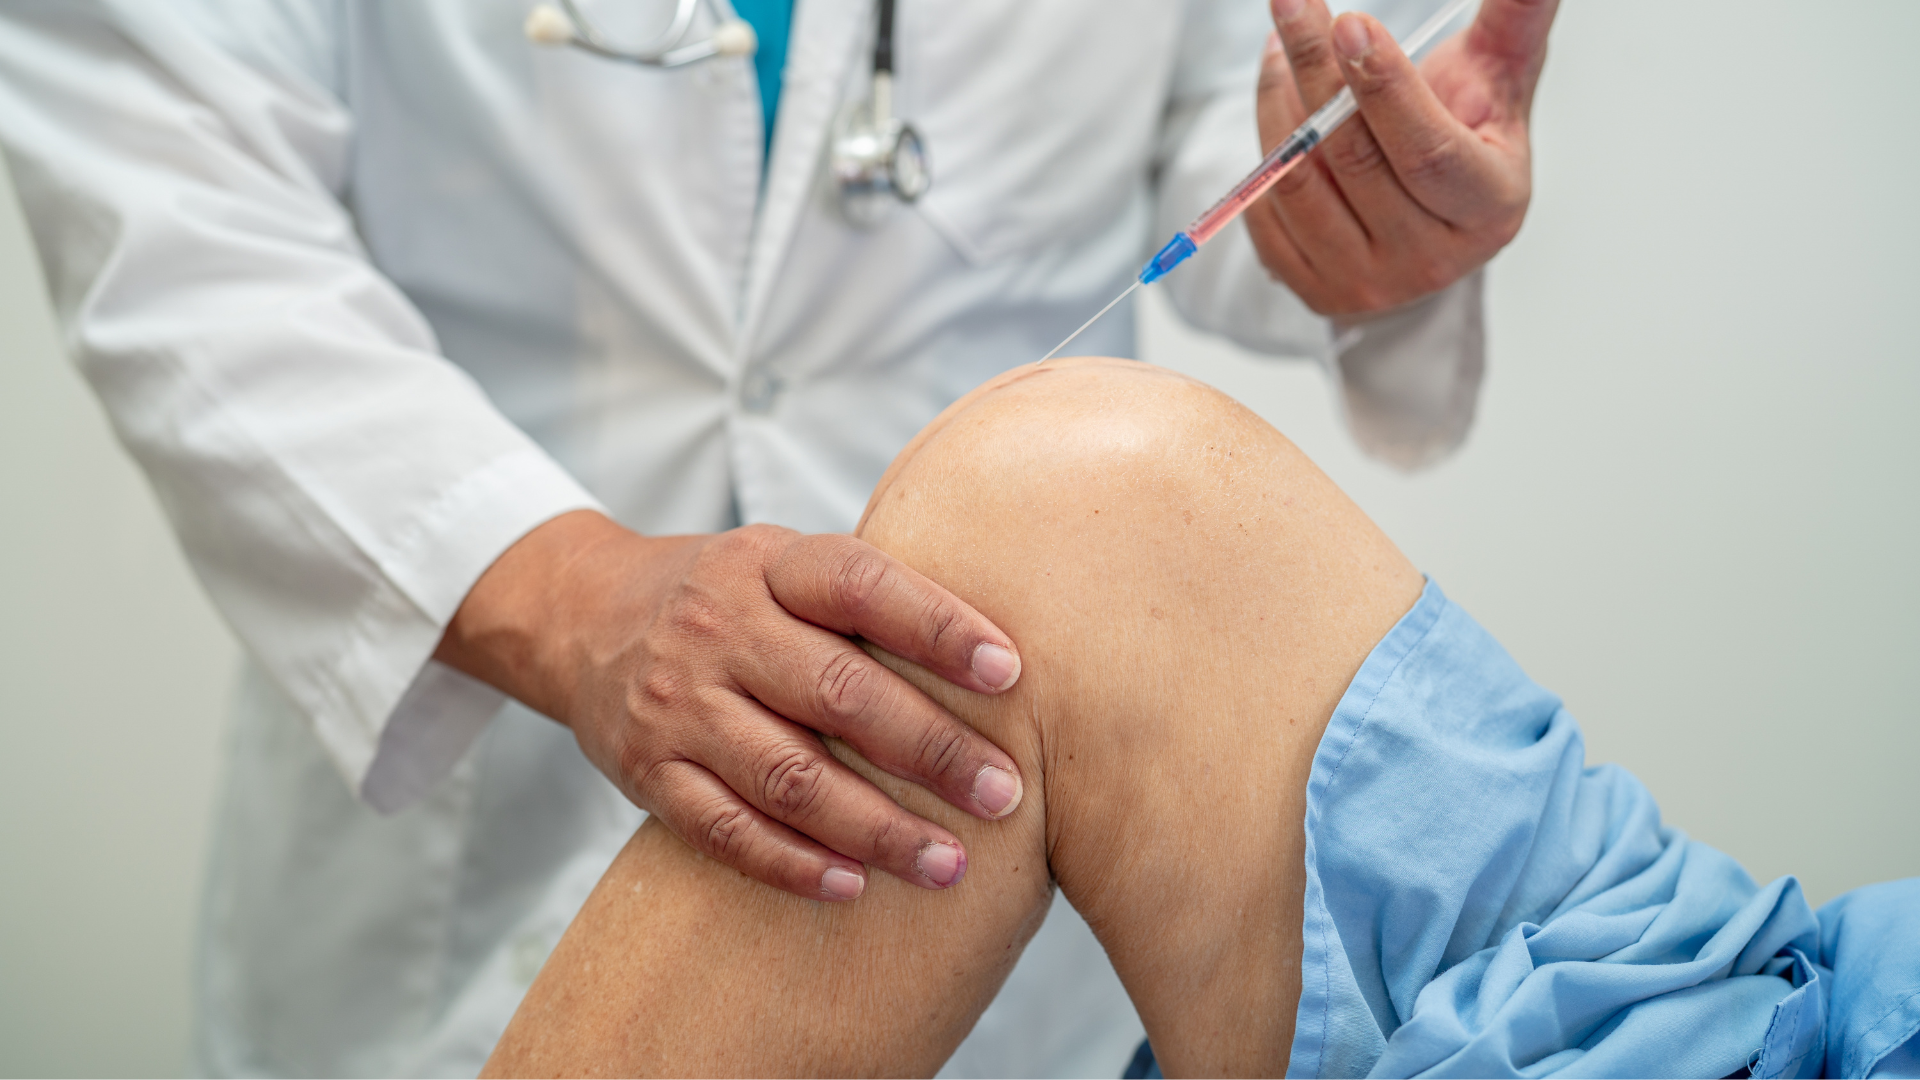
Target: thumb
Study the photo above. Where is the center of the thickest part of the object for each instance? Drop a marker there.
(1435, 157)
(1513, 32)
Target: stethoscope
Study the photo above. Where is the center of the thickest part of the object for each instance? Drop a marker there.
(876, 157)
(566, 24)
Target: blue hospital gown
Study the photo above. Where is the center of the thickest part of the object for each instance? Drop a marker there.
(1481, 903)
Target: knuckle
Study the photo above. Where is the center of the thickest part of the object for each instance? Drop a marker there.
(1297, 180)
(764, 542)
(1366, 296)
(724, 830)
(1512, 214)
(942, 623)
(1310, 52)
(1431, 164)
(1316, 298)
(857, 579)
(1505, 233)
(745, 552)
(942, 750)
(884, 834)
(845, 688)
(1433, 274)
(792, 784)
(1290, 185)
(660, 690)
(1356, 156)
(694, 613)
(762, 532)
(1360, 299)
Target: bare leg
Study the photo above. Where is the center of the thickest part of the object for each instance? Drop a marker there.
(1191, 597)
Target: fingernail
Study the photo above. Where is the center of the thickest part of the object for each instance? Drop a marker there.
(995, 666)
(1352, 37)
(996, 790)
(941, 864)
(842, 883)
(1287, 9)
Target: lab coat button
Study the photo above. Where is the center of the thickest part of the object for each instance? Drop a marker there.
(759, 391)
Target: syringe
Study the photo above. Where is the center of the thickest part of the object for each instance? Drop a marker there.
(1284, 157)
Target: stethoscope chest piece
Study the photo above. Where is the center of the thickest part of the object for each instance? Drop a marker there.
(877, 158)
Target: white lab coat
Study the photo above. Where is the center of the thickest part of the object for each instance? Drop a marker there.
(371, 289)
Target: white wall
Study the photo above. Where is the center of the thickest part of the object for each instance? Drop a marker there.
(1690, 506)
(1692, 501)
(113, 673)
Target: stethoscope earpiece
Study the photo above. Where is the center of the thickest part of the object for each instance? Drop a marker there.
(735, 37)
(547, 25)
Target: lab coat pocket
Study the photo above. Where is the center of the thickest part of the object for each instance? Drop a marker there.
(1040, 119)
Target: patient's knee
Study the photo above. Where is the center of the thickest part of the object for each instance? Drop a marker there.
(1117, 460)
(1074, 429)
(1190, 597)
(1115, 517)
(1036, 447)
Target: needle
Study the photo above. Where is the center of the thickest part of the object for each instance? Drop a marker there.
(1089, 322)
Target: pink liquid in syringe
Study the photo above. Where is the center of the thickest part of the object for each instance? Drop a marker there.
(1278, 164)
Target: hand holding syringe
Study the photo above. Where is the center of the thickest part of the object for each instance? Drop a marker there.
(1291, 151)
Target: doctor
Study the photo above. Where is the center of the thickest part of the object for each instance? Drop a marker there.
(483, 380)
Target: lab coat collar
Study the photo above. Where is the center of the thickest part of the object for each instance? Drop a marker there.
(823, 49)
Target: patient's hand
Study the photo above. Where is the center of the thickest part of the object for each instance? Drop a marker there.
(696, 670)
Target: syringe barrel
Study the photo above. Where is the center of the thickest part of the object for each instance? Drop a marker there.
(1277, 164)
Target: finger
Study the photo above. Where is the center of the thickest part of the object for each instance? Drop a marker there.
(1305, 188)
(712, 820)
(1305, 27)
(1514, 32)
(1354, 159)
(824, 682)
(1280, 108)
(1439, 162)
(787, 774)
(1324, 226)
(1283, 258)
(852, 587)
(1307, 197)
(1400, 234)
(1332, 238)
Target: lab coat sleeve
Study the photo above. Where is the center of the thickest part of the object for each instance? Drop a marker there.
(336, 484)
(1408, 379)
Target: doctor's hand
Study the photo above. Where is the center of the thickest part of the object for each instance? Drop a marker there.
(696, 671)
(1427, 183)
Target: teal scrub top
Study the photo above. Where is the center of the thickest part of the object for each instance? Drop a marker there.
(771, 21)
